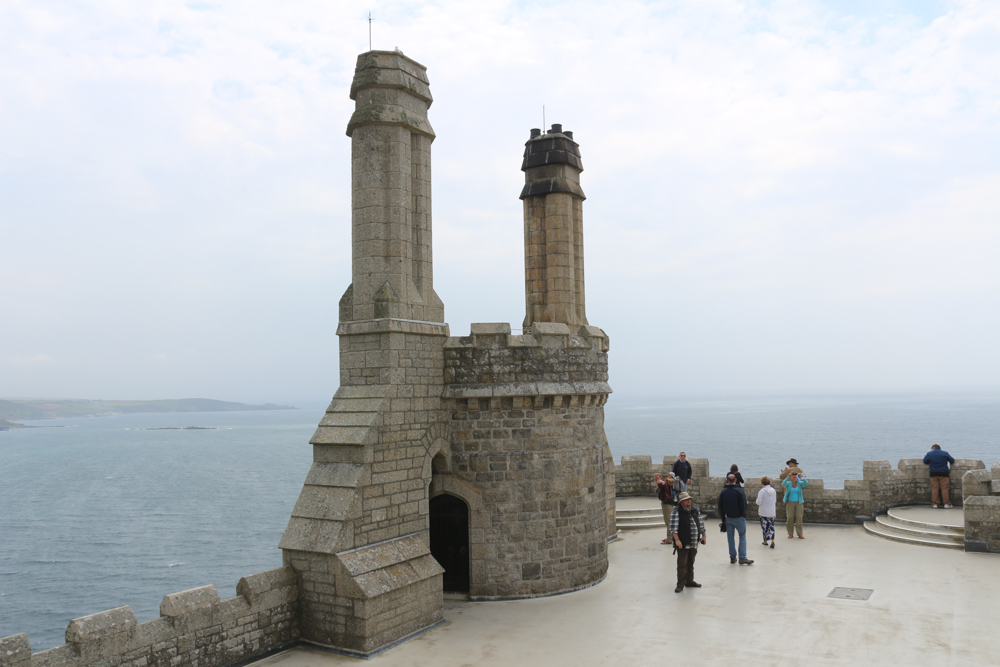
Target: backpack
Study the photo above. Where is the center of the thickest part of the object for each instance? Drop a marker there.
(665, 493)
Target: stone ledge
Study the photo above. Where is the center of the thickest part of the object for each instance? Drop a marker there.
(527, 389)
(393, 325)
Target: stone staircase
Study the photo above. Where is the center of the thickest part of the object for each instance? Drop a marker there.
(640, 518)
(919, 524)
(641, 514)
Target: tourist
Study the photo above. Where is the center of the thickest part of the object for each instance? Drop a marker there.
(667, 491)
(687, 529)
(790, 466)
(767, 501)
(794, 502)
(938, 459)
(682, 470)
(733, 511)
(734, 469)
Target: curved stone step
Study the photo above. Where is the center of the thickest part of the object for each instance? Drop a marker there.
(641, 510)
(645, 522)
(643, 518)
(889, 522)
(884, 532)
(924, 516)
(642, 526)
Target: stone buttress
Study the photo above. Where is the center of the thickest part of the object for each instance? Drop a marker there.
(357, 538)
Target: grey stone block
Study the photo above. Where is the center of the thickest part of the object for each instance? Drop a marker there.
(15, 651)
(100, 625)
(188, 601)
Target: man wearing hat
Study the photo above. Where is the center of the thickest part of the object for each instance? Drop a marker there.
(686, 530)
(791, 466)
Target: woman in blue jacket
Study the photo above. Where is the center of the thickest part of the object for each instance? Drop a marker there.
(794, 502)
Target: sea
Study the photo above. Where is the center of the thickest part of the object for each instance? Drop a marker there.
(101, 512)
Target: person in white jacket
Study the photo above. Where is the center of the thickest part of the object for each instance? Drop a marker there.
(767, 499)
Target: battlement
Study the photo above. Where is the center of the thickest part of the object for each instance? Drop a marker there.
(195, 627)
(880, 488)
(550, 359)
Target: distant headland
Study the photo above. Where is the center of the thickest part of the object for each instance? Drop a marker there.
(21, 410)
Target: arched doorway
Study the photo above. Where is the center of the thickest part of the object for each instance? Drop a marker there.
(450, 540)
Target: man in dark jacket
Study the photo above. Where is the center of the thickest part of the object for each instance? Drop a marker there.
(682, 471)
(938, 459)
(733, 510)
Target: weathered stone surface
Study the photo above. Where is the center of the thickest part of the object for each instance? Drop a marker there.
(102, 624)
(15, 651)
(188, 601)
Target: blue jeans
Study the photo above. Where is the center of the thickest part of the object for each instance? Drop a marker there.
(737, 525)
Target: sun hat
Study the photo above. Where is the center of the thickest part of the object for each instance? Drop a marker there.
(684, 496)
(791, 462)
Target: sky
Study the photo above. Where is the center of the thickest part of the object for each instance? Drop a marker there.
(782, 197)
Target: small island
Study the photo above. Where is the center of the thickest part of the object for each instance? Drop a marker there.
(12, 411)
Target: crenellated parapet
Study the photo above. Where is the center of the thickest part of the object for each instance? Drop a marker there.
(550, 360)
(880, 488)
(195, 627)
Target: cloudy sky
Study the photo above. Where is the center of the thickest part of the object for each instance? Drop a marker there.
(783, 197)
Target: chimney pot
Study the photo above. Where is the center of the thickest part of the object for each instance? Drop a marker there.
(556, 128)
(568, 133)
(535, 132)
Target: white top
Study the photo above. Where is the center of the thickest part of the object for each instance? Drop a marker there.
(766, 498)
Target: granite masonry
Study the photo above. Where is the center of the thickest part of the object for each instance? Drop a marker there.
(474, 464)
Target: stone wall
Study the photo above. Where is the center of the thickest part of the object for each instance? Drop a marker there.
(982, 523)
(881, 487)
(528, 455)
(195, 627)
(981, 494)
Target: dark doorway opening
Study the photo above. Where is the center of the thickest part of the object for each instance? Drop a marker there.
(450, 540)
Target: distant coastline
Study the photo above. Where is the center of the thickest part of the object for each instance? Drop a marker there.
(14, 411)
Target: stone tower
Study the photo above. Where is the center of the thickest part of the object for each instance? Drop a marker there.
(528, 451)
(484, 454)
(357, 537)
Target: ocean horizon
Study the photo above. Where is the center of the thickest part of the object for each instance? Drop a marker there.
(106, 511)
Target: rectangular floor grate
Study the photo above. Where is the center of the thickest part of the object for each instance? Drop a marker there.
(851, 593)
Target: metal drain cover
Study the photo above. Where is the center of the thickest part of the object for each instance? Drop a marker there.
(840, 593)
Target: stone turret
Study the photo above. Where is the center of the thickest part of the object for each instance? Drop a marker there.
(553, 229)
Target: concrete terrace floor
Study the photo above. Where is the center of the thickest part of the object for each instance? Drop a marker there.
(930, 606)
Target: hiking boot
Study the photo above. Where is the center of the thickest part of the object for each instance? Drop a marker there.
(746, 561)
(693, 584)
(679, 588)
(948, 507)
(732, 559)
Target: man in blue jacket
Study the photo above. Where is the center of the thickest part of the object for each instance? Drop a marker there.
(938, 459)
(733, 511)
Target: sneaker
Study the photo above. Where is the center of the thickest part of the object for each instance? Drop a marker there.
(693, 584)
(679, 588)
(746, 561)
(948, 507)
(934, 507)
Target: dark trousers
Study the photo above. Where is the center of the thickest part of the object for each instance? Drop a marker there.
(685, 566)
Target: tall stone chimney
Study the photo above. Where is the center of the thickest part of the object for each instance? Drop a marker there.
(553, 229)
(391, 192)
